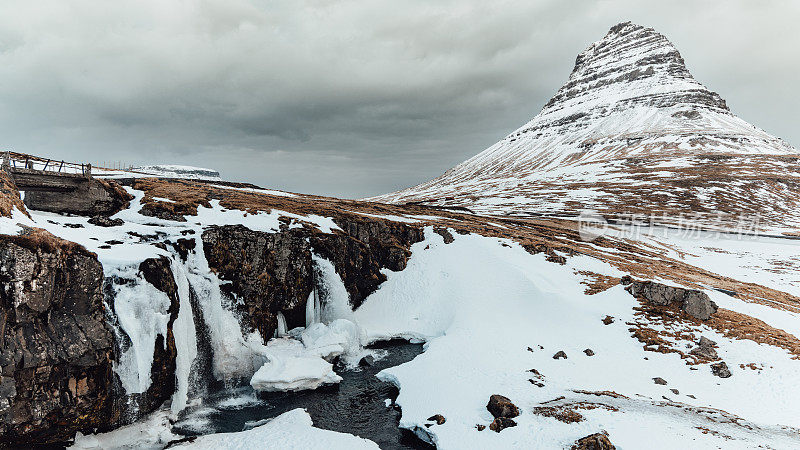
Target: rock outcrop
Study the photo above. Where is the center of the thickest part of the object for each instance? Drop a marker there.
(691, 301)
(95, 197)
(705, 349)
(721, 370)
(501, 406)
(596, 441)
(56, 348)
(273, 272)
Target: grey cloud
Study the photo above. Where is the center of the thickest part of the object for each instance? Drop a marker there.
(349, 98)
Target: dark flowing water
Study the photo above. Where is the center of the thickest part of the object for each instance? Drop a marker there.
(356, 405)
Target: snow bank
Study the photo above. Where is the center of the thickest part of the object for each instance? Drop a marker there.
(290, 430)
(491, 313)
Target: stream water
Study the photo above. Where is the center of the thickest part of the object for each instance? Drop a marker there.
(357, 405)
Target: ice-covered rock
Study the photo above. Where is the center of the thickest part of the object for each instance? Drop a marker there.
(293, 373)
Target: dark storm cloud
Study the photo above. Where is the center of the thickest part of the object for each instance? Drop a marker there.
(349, 98)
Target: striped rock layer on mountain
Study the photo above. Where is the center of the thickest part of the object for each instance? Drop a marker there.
(631, 132)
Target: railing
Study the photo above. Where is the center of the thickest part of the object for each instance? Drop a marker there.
(13, 161)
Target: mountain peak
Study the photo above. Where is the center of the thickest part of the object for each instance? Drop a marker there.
(632, 61)
(630, 130)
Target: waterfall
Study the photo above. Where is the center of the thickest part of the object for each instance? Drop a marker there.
(183, 330)
(235, 355)
(332, 308)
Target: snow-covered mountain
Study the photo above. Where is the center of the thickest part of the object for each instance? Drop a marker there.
(177, 171)
(631, 131)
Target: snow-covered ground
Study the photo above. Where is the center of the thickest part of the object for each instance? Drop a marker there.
(490, 313)
(290, 430)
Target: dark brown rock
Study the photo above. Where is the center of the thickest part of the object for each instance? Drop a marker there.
(55, 352)
(103, 221)
(501, 423)
(659, 380)
(438, 418)
(560, 355)
(608, 320)
(721, 370)
(588, 352)
(446, 235)
(501, 406)
(596, 441)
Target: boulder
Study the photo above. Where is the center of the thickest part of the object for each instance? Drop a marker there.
(596, 441)
(705, 349)
(92, 197)
(103, 221)
(659, 380)
(438, 418)
(367, 361)
(501, 406)
(691, 301)
(721, 370)
(589, 352)
(698, 305)
(501, 423)
(445, 234)
(560, 355)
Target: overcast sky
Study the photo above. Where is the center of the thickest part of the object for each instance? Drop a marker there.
(347, 98)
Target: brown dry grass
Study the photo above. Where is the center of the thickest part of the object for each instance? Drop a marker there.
(597, 283)
(568, 412)
(38, 239)
(9, 196)
(740, 326)
(600, 393)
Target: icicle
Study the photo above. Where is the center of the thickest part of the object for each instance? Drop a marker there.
(281, 331)
(311, 310)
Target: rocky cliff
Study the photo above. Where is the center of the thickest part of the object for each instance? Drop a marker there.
(56, 346)
(273, 272)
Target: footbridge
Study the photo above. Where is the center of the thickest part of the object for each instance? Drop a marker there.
(31, 173)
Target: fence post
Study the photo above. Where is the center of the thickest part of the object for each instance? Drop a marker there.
(88, 173)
